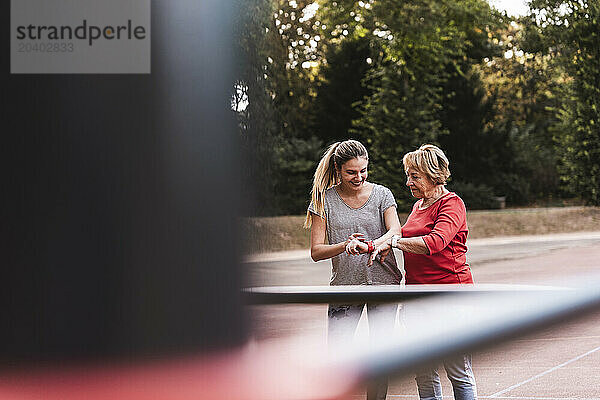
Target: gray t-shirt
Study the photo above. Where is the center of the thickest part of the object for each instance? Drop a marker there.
(342, 221)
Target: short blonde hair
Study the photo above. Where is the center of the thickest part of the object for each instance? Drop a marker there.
(429, 160)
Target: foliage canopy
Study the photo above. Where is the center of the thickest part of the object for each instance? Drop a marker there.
(513, 102)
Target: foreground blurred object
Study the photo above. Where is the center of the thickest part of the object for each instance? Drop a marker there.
(266, 372)
(114, 190)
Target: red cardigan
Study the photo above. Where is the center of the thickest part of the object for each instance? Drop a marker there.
(444, 228)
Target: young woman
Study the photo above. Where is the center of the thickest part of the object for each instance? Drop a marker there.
(346, 210)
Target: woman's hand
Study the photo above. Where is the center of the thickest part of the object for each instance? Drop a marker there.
(356, 235)
(355, 247)
(382, 250)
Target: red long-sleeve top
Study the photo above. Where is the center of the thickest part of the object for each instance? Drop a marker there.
(443, 226)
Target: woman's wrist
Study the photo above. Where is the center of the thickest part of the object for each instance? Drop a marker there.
(345, 245)
(394, 240)
(380, 242)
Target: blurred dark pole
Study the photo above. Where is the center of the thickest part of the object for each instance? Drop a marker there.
(119, 215)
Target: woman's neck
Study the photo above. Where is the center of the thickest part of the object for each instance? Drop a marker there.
(350, 192)
(432, 196)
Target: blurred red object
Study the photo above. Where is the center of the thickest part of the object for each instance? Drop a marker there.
(261, 372)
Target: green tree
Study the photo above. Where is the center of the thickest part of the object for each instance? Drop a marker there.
(257, 116)
(520, 82)
(397, 74)
(273, 99)
(340, 87)
(569, 31)
(467, 109)
(421, 46)
(296, 160)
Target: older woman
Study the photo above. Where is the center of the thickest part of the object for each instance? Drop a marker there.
(433, 242)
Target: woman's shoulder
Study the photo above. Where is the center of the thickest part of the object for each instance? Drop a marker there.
(383, 195)
(452, 199)
(380, 189)
(451, 196)
(327, 197)
(330, 192)
(331, 197)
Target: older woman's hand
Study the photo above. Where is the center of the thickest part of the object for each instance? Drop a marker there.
(382, 250)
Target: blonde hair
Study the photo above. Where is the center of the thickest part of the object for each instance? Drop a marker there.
(325, 175)
(429, 160)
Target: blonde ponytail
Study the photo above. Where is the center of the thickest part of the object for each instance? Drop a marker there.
(325, 177)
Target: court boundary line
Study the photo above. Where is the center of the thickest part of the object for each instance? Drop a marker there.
(497, 394)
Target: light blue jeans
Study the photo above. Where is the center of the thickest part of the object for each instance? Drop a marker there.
(343, 320)
(460, 372)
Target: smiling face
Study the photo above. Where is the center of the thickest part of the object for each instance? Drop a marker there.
(354, 173)
(420, 184)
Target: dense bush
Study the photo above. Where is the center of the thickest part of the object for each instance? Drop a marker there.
(476, 197)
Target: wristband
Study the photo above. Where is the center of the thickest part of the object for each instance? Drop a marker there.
(371, 246)
(395, 240)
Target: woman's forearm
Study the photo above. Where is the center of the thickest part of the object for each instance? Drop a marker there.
(324, 251)
(414, 245)
(392, 224)
(386, 238)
